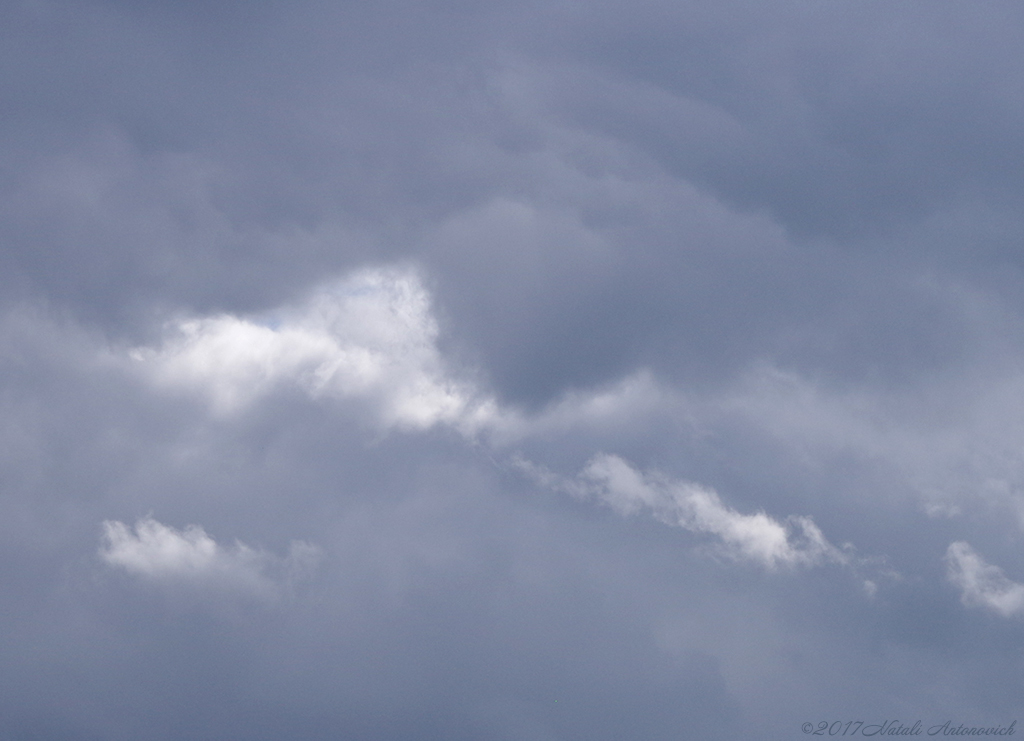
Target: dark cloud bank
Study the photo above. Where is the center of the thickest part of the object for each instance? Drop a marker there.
(509, 371)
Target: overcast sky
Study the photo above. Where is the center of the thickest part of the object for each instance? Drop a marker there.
(512, 371)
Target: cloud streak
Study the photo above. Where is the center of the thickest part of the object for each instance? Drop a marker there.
(757, 538)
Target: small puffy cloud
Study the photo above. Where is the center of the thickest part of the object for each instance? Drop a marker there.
(755, 537)
(372, 335)
(981, 584)
(159, 553)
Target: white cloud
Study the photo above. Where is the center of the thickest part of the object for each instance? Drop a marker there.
(373, 336)
(159, 553)
(757, 537)
(982, 584)
(370, 336)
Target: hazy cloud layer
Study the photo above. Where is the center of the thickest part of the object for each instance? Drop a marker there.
(509, 371)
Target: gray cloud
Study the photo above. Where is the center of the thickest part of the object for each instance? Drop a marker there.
(320, 273)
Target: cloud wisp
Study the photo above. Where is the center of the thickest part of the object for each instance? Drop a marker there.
(161, 554)
(982, 584)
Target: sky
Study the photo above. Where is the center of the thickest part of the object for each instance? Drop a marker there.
(510, 371)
